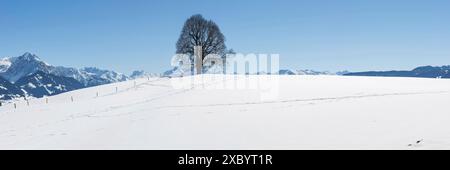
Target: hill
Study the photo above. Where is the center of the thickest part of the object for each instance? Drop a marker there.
(286, 112)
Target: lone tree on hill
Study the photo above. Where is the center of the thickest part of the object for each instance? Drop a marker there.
(198, 31)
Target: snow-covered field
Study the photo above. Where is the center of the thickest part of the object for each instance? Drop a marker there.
(311, 112)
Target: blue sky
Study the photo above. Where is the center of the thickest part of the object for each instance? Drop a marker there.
(333, 35)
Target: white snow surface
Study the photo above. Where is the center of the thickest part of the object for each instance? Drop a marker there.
(312, 112)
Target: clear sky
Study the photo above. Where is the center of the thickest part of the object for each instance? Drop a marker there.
(333, 35)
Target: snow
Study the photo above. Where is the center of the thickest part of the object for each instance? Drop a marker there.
(309, 112)
(31, 85)
(60, 87)
(5, 63)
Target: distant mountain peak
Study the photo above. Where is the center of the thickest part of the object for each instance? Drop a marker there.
(304, 72)
(138, 74)
(6, 62)
(30, 57)
(14, 68)
(91, 69)
(28, 54)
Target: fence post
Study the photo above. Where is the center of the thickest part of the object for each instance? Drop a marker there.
(71, 98)
(15, 106)
(46, 100)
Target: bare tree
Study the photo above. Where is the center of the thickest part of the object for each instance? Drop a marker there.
(197, 31)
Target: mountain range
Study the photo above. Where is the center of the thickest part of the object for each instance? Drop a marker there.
(304, 72)
(424, 72)
(14, 68)
(176, 72)
(28, 75)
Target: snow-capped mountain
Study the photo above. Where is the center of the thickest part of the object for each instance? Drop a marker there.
(138, 74)
(14, 68)
(28, 75)
(42, 84)
(312, 72)
(92, 76)
(304, 72)
(8, 90)
(286, 72)
(142, 74)
(177, 72)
